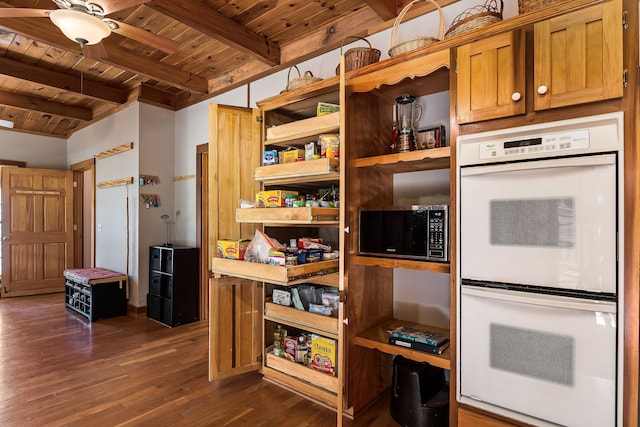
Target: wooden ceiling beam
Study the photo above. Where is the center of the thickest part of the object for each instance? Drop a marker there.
(386, 9)
(61, 81)
(40, 105)
(214, 24)
(159, 98)
(43, 30)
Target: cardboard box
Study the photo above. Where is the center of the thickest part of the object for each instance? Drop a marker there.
(233, 249)
(326, 108)
(323, 354)
(273, 198)
(269, 157)
(291, 156)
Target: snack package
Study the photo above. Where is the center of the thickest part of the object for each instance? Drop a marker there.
(259, 247)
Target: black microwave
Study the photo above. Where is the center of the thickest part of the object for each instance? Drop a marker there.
(418, 232)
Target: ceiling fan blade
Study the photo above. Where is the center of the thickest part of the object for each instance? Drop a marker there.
(111, 6)
(94, 51)
(146, 37)
(21, 12)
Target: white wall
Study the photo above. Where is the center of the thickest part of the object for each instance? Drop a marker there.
(116, 207)
(37, 151)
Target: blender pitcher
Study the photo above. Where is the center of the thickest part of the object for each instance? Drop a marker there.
(407, 113)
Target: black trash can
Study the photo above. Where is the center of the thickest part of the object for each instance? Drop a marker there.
(419, 394)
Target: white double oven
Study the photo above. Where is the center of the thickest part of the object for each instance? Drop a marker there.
(540, 271)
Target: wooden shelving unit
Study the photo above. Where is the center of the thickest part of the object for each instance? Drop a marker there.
(289, 216)
(436, 267)
(273, 273)
(377, 338)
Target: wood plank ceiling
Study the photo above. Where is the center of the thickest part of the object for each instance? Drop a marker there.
(206, 47)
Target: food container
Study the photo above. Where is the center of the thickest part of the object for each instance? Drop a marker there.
(293, 155)
(273, 198)
(232, 249)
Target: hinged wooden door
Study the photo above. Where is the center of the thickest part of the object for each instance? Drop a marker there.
(491, 78)
(37, 230)
(235, 338)
(578, 57)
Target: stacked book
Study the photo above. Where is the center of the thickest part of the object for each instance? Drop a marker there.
(418, 339)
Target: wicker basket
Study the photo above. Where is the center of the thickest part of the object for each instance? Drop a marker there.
(358, 57)
(418, 42)
(476, 17)
(525, 6)
(301, 81)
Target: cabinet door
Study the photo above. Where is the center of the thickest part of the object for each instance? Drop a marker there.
(578, 57)
(491, 78)
(235, 344)
(234, 152)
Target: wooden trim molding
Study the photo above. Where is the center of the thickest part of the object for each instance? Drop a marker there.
(13, 163)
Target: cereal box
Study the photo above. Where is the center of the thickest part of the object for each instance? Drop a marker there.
(233, 249)
(273, 198)
(323, 354)
(292, 156)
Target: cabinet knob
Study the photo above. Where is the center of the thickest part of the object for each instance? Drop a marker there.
(542, 89)
(516, 96)
(346, 230)
(5, 238)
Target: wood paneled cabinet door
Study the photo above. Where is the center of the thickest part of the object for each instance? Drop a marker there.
(578, 57)
(491, 78)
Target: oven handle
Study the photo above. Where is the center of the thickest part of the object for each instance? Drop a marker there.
(584, 161)
(546, 300)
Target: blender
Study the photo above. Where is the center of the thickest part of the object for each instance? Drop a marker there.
(407, 114)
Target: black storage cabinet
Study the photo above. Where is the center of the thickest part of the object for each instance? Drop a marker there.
(173, 285)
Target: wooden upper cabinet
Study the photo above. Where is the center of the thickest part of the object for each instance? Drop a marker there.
(578, 57)
(491, 78)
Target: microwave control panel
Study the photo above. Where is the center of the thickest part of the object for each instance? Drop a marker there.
(438, 226)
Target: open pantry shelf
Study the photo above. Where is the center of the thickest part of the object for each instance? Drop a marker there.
(299, 386)
(434, 158)
(378, 338)
(316, 323)
(300, 131)
(436, 267)
(289, 216)
(325, 169)
(273, 273)
(315, 378)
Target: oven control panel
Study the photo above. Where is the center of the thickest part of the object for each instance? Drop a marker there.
(544, 144)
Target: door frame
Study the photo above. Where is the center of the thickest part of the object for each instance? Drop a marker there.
(202, 226)
(79, 204)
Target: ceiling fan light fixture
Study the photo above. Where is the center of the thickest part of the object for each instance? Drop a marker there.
(80, 26)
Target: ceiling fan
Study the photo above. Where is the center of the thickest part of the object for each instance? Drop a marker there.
(85, 22)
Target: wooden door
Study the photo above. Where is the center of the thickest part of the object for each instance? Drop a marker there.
(236, 309)
(235, 304)
(37, 230)
(578, 57)
(491, 78)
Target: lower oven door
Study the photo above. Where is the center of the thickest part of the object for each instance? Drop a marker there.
(541, 359)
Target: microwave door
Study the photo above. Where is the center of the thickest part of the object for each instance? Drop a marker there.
(542, 359)
(543, 223)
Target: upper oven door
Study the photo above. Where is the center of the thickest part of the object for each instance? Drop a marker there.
(548, 223)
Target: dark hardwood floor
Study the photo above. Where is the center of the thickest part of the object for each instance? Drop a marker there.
(57, 369)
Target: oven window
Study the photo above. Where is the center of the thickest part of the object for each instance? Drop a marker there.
(535, 354)
(533, 222)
